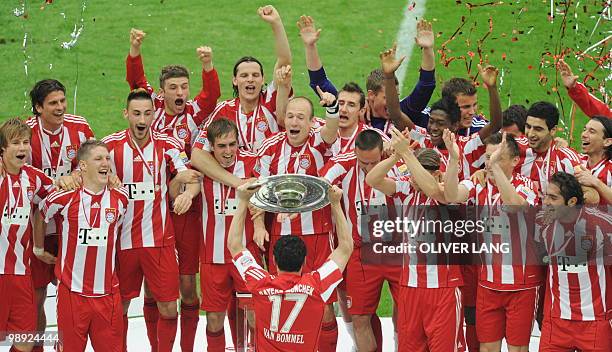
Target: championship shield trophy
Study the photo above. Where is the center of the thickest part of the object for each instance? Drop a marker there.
(292, 193)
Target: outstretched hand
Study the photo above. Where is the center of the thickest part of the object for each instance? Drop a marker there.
(567, 76)
(388, 61)
(283, 76)
(488, 74)
(327, 98)
(424, 36)
(308, 32)
(451, 144)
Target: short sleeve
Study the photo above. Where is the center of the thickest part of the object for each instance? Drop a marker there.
(251, 272)
(328, 277)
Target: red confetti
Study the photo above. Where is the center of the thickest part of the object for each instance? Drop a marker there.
(411, 6)
(504, 56)
(470, 53)
(514, 39)
(48, 1)
(530, 67)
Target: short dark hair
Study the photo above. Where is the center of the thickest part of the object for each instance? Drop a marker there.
(13, 128)
(545, 111)
(569, 187)
(87, 146)
(241, 60)
(428, 158)
(369, 140)
(449, 107)
(43, 88)
(220, 128)
(456, 86)
(496, 138)
(375, 80)
(301, 97)
(138, 94)
(515, 115)
(607, 125)
(172, 71)
(289, 253)
(352, 87)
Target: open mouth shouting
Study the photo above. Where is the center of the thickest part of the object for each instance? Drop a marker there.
(294, 132)
(179, 102)
(250, 89)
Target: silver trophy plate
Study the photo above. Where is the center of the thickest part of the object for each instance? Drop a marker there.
(292, 193)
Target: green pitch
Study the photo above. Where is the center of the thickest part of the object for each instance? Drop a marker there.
(522, 44)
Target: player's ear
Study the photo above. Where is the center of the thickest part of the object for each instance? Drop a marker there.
(125, 114)
(572, 202)
(39, 108)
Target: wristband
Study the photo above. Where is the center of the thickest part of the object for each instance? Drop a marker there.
(38, 251)
(332, 110)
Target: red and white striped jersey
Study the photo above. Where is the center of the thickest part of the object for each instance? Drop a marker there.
(539, 167)
(420, 269)
(471, 150)
(254, 127)
(602, 170)
(277, 157)
(348, 144)
(88, 241)
(146, 174)
(54, 152)
(219, 203)
(506, 271)
(579, 271)
(17, 194)
(289, 306)
(185, 126)
(360, 202)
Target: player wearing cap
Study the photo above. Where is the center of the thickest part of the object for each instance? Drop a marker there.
(289, 306)
(179, 117)
(88, 299)
(508, 289)
(144, 161)
(23, 188)
(577, 310)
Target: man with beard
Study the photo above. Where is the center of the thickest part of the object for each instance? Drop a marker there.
(23, 188)
(88, 298)
(180, 118)
(144, 160)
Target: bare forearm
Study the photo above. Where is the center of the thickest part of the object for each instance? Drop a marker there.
(426, 182)
(282, 97)
(399, 119)
(376, 177)
(38, 230)
(206, 164)
(451, 181)
(506, 189)
(329, 132)
(495, 112)
(313, 60)
(283, 51)
(428, 61)
(604, 191)
(234, 237)
(345, 240)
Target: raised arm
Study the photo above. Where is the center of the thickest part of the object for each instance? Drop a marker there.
(329, 131)
(236, 230)
(508, 193)
(414, 104)
(135, 75)
(453, 191)
(211, 89)
(203, 161)
(342, 253)
(282, 76)
(425, 180)
(310, 35)
(377, 177)
(283, 52)
(589, 104)
(488, 74)
(389, 65)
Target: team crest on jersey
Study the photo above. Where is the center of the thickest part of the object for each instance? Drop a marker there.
(586, 243)
(305, 161)
(262, 125)
(110, 214)
(182, 132)
(246, 261)
(151, 166)
(30, 193)
(71, 151)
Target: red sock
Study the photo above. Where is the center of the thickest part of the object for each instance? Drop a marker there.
(215, 341)
(231, 318)
(125, 329)
(377, 330)
(190, 315)
(151, 316)
(471, 340)
(166, 333)
(329, 337)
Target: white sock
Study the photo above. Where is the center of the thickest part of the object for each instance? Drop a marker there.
(396, 340)
(349, 329)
